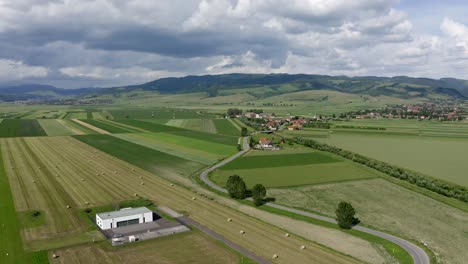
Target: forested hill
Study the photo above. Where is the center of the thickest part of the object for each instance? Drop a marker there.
(274, 84)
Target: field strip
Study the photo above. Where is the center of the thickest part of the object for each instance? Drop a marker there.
(235, 124)
(259, 237)
(121, 125)
(116, 126)
(69, 127)
(100, 131)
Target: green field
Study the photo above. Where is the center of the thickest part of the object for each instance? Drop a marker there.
(270, 161)
(21, 128)
(107, 126)
(391, 208)
(224, 126)
(158, 113)
(188, 148)
(144, 157)
(55, 128)
(204, 125)
(77, 115)
(11, 246)
(443, 158)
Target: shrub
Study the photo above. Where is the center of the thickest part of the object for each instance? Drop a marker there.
(345, 215)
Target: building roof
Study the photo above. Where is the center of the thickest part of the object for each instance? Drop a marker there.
(124, 212)
(264, 141)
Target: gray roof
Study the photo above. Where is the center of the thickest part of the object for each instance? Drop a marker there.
(124, 212)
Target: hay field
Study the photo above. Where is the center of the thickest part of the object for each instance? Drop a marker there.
(55, 128)
(226, 127)
(192, 247)
(391, 208)
(204, 125)
(52, 195)
(21, 128)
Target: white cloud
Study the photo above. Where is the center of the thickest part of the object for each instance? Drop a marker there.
(17, 70)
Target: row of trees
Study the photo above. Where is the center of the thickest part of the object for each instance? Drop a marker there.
(449, 190)
(237, 189)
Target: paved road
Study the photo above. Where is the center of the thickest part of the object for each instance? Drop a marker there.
(418, 254)
(189, 222)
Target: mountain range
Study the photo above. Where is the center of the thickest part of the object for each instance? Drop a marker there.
(275, 84)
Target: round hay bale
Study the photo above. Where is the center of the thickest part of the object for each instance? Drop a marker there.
(140, 177)
(82, 179)
(86, 202)
(142, 183)
(135, 194)
(68, 207)
(34, 181)
(193, 198)
(275, 256)
(242, 232)
(286, 235)
(133, 169)
(115, 172)
(302, 247)
(172, 184)
(229, 220)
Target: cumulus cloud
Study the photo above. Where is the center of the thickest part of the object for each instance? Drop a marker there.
(134, 40)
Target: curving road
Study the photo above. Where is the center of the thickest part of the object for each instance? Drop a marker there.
(418, 254)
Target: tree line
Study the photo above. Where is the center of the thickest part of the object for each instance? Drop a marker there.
(440, 187)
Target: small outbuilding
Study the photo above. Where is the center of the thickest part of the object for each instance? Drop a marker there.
(124, 217)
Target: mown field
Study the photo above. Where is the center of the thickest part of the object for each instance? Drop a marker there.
(391, 208)
(21, 128)
(204, 125)
(201, 151)
(116, 178)
(192, 247)
(443, 158)
(54, 127)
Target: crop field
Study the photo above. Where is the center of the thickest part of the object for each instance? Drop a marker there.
(144, 157)
(224, 126)
(391, 208)
(76, 115)
(107, 126)
(154, 127)
(443, 158)
(295, 175)
(54, 127)
(204, 125)
(57, 192)
(268, 161)
(158, 113)
(192, 149)
(21, 128)
(193, 247)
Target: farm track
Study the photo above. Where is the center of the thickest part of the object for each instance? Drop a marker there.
(418, 254)
(261, 238)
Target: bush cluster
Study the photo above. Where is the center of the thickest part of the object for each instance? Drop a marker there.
(440, 187)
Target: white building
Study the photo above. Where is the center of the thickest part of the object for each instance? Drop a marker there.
(124, 217)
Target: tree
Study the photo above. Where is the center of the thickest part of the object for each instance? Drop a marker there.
(236, 187)
(258, 194)
(345, 215)
(244, 131)
(234, 111)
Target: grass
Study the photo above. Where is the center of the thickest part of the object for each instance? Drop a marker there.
(21, 128)
(55, 128)
(76, 115)
(157, 113)
(271, 161)
(31, 219)
(106, 126)
(392, 209)
(204, 125)
(189, 247)
(224, 126)
(295, 175)
(442, 158)
(11, 246)
(192, 149)
(144, 157)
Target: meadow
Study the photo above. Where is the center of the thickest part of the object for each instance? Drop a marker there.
(54, 127)
(203, 125)
(439, 157)
(390, 208)
(158, 113)
(105, 179)
(193, 246)
(226, 127)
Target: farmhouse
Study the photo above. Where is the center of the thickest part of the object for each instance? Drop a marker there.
(124, 217)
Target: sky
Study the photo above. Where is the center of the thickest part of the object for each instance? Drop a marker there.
(102, 43)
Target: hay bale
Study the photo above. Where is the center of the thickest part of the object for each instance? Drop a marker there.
(142, 183)
(242, 232)
(82, 179)
(133, 169)
(33, 181)
(302, 247)
(115, 172)
(275, 256)
(86, 202)
(135, 194)
(229, 220)
(172, 184)
(68, 207)
(194, 198)
(140, 177)
(286, 235)
(54, 256)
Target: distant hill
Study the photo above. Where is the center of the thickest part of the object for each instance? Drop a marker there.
(260, 86)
